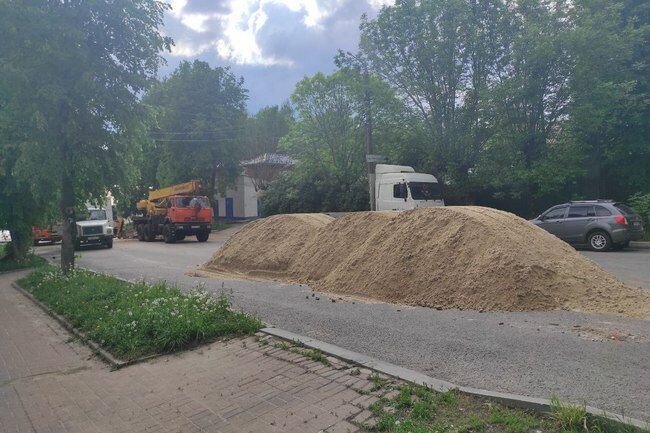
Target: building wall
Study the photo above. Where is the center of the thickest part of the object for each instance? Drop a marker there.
(244, 199)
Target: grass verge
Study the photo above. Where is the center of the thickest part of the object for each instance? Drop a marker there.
(417, 409)
(219, 225)
(30, 261)
(136, 320)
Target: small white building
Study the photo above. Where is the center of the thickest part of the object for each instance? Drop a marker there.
(242, 200)
(239, 202)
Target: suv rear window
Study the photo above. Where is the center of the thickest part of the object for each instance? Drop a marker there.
(625, 209)
(602, 211)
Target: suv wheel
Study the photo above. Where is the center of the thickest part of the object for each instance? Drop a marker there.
(599, 241)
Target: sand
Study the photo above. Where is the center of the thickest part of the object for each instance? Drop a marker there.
(463, 257)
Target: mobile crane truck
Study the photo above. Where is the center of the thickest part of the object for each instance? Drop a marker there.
(174, 212)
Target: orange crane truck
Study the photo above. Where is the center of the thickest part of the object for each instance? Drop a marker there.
(174, 212)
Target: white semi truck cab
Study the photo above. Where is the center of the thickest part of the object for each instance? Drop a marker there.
(399, 187)
(96, 226)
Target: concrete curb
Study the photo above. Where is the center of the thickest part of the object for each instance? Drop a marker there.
(538, 405)
(105, 355)
(640, 244)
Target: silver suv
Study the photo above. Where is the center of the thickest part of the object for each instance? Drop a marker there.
(600, 224)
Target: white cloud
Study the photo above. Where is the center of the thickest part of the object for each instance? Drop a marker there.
(239, 27)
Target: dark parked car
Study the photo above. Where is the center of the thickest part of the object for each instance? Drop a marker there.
(600, 224)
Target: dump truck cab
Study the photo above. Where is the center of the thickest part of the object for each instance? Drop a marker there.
(175, 212)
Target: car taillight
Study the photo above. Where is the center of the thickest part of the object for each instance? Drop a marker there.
(620, 220)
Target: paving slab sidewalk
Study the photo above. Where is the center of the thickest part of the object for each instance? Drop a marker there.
(51, 383)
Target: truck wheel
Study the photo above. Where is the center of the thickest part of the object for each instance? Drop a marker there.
(109, 243)
(140, 231)
(168, 234)
(599, 241)
(146, 232)
(202, 236)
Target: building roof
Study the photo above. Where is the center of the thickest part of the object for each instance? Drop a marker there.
(270, 159)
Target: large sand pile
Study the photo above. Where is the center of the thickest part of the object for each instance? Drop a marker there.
(451, 257)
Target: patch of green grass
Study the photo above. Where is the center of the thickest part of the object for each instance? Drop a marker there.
(513, 421)
(417, 409)
(31, 261)
(282, 345)
(423, 410)
(403, 399)
(219, 225)
(448, 398)
(378, 382)
(471, 423)
(386, 422)
(568, 417)
(134, 320)
(313, 354)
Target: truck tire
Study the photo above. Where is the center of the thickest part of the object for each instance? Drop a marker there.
(109, 243)
(203, 236)
(168, 234)
(140, 231)
(146, 231)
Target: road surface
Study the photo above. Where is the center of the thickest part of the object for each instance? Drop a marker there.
(598, 359)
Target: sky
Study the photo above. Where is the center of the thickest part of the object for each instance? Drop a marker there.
(272, 44)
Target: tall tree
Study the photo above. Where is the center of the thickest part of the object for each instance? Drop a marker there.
(609, 116)
(441, 56)
(75, 69)
(265, 129)
(201, 114)
(530, 104)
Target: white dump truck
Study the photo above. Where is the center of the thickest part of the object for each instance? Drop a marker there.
(96, 226)
(399, 187)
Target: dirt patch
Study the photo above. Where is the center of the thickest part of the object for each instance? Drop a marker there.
(452, 257)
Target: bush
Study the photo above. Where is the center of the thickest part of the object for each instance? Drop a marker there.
(134, 320)
(303, 190)
(641, 203)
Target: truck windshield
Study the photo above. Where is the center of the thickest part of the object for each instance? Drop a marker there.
(425, 191)
(192, 202)
(96, 214)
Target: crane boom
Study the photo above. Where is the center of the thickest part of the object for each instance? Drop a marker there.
(191, 187)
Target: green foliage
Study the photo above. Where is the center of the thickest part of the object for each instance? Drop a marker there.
(641, 203)
(134, 320)
(70, 98)
(200, 116)
(568, 417)
(265, 129)
(514, 421)
(310, 189)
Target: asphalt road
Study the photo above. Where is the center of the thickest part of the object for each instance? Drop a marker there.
(598, 359)
(631, 265)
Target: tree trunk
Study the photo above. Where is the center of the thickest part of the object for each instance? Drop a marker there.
(20, 242)
(66, 207)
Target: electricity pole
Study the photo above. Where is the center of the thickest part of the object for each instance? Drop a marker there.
(351, 61)
(369, 145)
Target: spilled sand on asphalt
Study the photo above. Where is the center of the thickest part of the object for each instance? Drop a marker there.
(465, 257)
